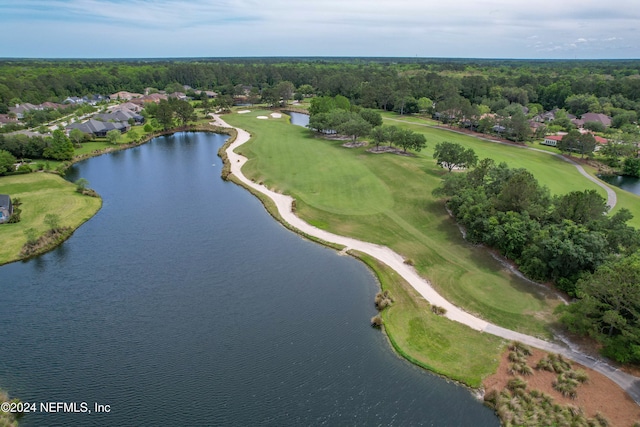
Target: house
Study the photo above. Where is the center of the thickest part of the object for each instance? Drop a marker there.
(154, 97)
(6, 208)
(596, 117)
(120, 115)
(126, 106)
(6, 119)
(552, 140)
(98, 128)
(209, 93)
(21, 109)
(178, 95)
(124, 95)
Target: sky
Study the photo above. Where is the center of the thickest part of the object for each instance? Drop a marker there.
(555, 29)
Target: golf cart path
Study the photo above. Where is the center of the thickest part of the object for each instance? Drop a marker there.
(612, 199)
(385, 255)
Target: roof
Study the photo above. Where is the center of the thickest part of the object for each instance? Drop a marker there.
(4, 118)
(120, 115)
(5, 200)
(96, 126)
(601, 140)
(554, 137)
(597, 117)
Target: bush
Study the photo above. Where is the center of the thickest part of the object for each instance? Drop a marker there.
(440, 311)
(376, 321)
(383, 300)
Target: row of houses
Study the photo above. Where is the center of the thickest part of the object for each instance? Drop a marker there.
(18, 112)
(550, 116)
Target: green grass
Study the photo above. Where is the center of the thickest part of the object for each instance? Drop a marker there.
(433, 342)
(393, 207)
(41, 193)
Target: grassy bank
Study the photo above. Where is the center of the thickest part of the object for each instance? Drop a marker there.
(431, 341)
(41, 193)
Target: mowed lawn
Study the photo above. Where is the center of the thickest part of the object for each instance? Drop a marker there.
(394, 207)
(40, 194)
(558, 175)
(434, 342)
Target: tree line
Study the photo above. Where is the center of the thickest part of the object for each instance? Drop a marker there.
(611, 87)
(337, 115)
(566, 239)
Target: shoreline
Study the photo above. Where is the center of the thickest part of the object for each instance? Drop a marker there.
(283, 205)
(146, 138)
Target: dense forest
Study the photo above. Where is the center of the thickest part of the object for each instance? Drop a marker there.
(577, 86)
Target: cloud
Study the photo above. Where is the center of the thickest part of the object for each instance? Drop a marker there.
(491, 28)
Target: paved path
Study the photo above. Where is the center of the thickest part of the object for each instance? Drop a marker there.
(612, 199)
(283, 203)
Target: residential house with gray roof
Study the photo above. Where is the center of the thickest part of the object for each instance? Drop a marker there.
(6, 208)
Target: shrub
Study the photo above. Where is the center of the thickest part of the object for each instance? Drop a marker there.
(15, 216)
(376, 321)
(520, 348)
(383, 300)
(409, 262)
(440, 311)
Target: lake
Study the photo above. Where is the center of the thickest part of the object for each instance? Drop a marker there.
(183, 302)
(627, 183)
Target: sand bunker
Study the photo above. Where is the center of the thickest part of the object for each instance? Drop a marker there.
(244, 111)
(262, 117)
(276, 115)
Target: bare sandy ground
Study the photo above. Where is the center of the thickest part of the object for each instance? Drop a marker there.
(629, 383)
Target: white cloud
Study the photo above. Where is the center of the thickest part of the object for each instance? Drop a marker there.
(491, 28)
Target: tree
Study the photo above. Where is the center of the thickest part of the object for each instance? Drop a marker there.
(586, 144)
(113, 136)
(225, 102)
(7, 161)
(354, 127)
(52, 221)
(406, 139)
(285, 91)
(164, 114)
(581, 207)
(451, 155)
(425, 105)
(205, 104)
(60, 147)
(379, 135)
(77, 136)
(306, 90)
(608, 308)
(371, 116)
(569, 142)
(81, 184)
(184, 111)
(631, 166)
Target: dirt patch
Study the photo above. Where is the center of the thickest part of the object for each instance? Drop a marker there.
(354, 144)
(392, 150)
(599, 394)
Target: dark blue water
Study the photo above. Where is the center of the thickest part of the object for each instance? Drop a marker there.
(627, 183)
(182, 302)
